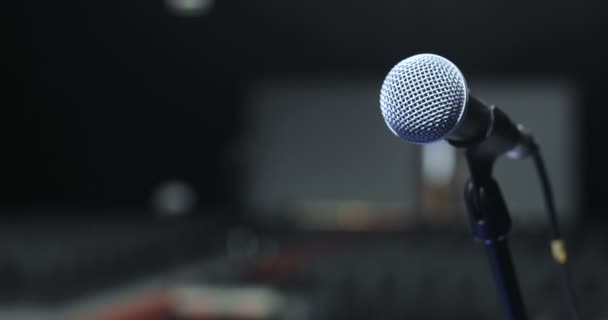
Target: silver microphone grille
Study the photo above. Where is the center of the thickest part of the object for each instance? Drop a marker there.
(423, 98)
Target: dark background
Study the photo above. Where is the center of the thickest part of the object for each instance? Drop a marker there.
(103, 101)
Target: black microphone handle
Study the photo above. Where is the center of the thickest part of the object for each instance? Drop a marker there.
(491, 132)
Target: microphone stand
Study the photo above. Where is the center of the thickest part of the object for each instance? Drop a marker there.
(490, 222)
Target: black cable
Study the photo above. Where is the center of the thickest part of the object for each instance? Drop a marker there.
(557, 244)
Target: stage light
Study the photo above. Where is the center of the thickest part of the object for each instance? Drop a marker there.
(190, 8)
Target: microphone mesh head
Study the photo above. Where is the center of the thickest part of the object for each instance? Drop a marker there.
(423, 98)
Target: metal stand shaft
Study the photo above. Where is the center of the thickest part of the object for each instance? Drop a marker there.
(490, 223)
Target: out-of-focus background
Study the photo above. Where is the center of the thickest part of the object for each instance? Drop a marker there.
(226, 159)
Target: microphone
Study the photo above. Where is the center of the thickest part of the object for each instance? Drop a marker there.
(425, 98)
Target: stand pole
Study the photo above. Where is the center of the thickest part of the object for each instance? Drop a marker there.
(490, 223)
(506, 281)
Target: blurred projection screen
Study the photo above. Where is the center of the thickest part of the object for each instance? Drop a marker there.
(324, 141)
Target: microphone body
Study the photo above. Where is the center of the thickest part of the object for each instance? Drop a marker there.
(425, 98)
